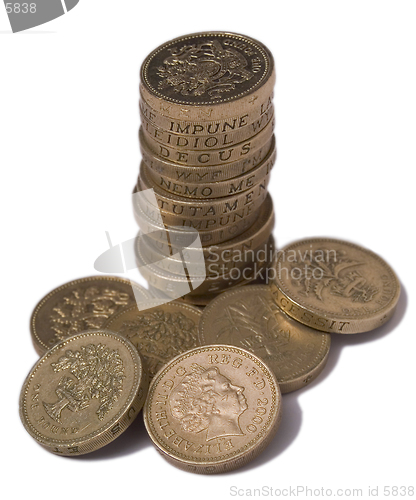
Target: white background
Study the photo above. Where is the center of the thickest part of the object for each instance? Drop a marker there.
(345, 105)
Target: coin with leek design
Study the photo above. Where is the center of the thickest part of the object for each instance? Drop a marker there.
(80, 305)
(213, 409)
(335, 286)
(160, 332)
(249, 317)
(83, 393)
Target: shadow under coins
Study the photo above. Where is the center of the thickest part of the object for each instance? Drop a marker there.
(291, 411)
(133, 440)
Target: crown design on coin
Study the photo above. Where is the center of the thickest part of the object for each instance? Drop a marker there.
(98, 373)
(207, 400)
(86, 309)
(203, 68)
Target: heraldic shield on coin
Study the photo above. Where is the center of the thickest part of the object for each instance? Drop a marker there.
(206, 67)
(213, 409)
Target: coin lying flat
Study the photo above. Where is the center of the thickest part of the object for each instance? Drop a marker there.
(335, 286)
(159, 333)
(213, 409)
(83, 393)
(248, 317)
(79, 305)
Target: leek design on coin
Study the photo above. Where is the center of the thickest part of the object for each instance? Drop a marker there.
(83, 393)
(335, 286)
(213, 409)
(250, 318)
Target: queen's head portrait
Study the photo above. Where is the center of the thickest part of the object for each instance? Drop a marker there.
(207, 400)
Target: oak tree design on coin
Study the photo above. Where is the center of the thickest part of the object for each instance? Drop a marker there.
(335, 286)
(83, 393)
(97, 371)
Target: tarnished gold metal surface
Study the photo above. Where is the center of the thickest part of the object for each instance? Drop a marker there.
(196, 208)
(83, 393)
(79, 305)
(212, 173)
(201, 215)
(335, 286)
(218, 137)
(222, 156)
(159, 333)
(217, 189)
(248, 317)
(207, 76)
(213, 409)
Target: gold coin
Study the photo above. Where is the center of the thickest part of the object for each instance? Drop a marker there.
(248, 317)
(228, 251)
(175, 263)
(335, 286)
(213, 409)
(193, 283)
(159, 333)
(212, 173)
(223, 156)
(176, 138)
(233, 225)
(216, 189)
(79, 305)
(207, 76)
(196, 208)
(245, 119)
(83, 393)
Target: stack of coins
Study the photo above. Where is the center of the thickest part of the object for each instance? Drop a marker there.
(208, 149)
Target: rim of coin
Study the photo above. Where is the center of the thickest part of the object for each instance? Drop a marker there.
(174, 263)
(189, 277)
(251, 238)
(354, 291)
(231, 436)
(222, 156)
(215, 189)
(60, 426)
(212, 219)
(251, 319)
(197, 208)
(60, 307)
(206, 173)
(205, 142)
(156, 231)
(221, 94)
(201, 123)
(174, 325)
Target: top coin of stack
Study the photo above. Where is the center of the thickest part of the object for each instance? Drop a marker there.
(206, 138)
